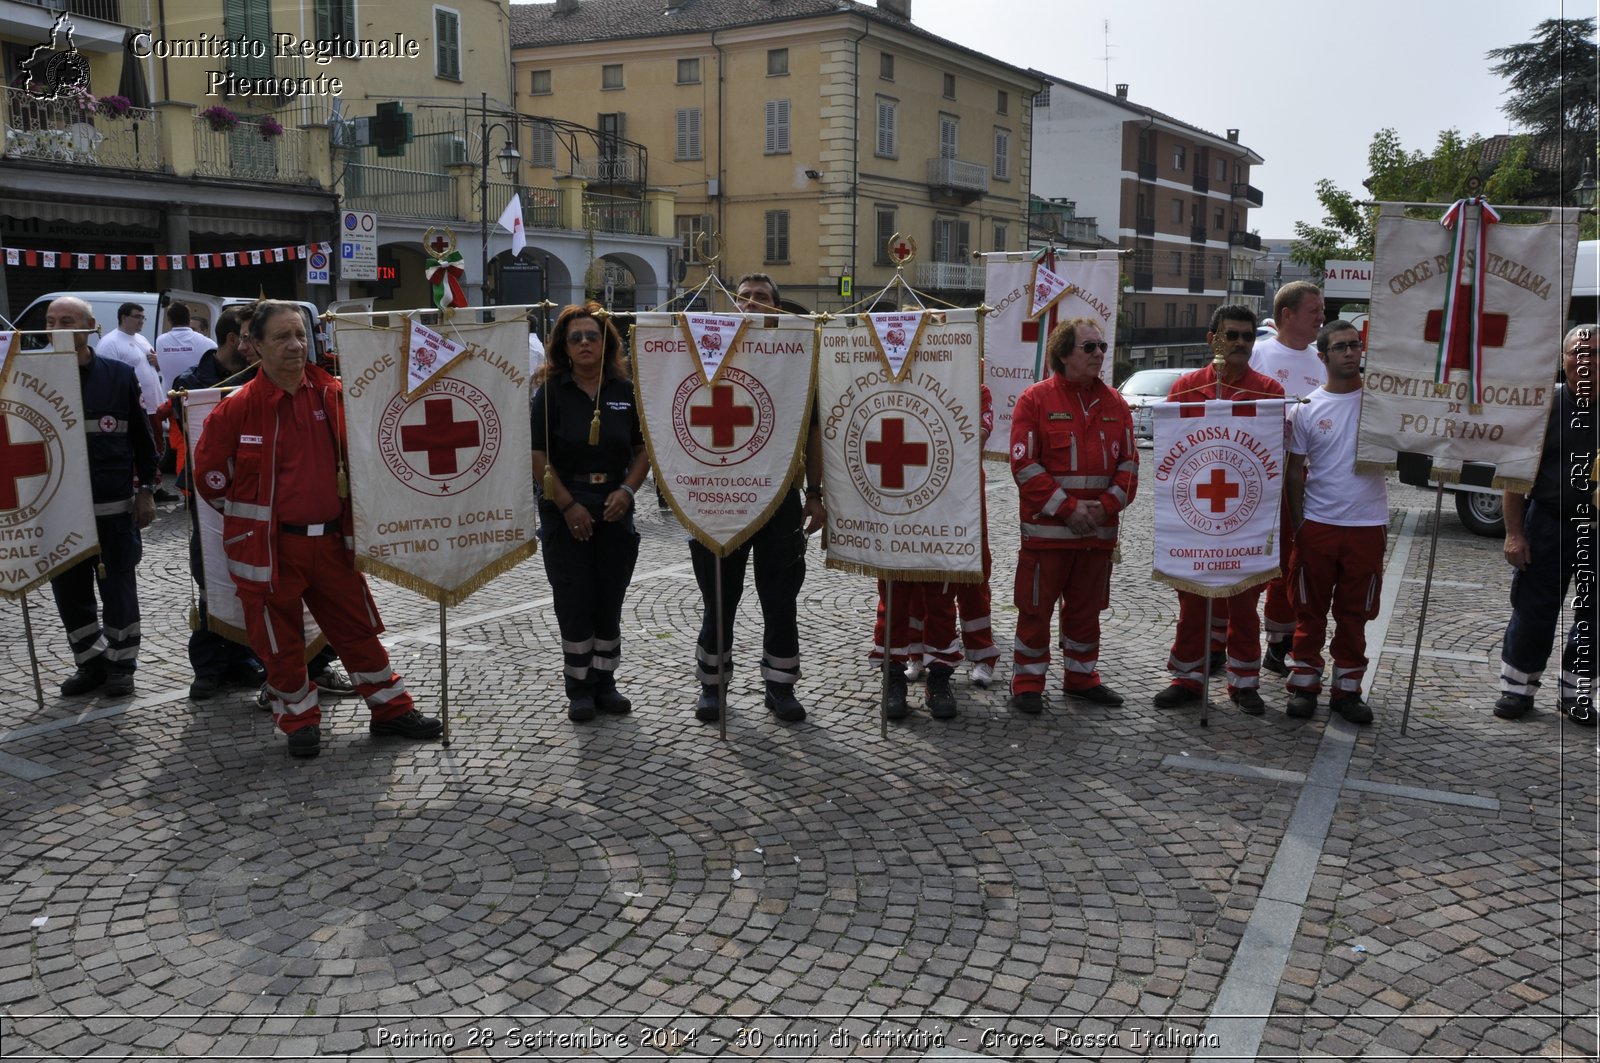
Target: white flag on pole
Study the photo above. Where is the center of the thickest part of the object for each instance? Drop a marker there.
(511, 222)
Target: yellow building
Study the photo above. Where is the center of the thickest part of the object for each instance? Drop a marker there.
(801, 135)
(185, 127)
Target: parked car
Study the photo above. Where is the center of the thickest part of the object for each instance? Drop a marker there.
(1144, 388)
(1477, 503)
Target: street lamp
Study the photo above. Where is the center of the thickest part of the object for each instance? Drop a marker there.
(509, 159)
(1583, 194)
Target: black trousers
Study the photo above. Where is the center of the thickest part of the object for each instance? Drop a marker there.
(780, 563)
(589, 581)
(113, 646)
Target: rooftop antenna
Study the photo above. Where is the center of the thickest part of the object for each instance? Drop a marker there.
(1105, 32)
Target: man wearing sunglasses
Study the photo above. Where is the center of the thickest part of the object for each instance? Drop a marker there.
(1076, 467)
(1340, 520)
(1547, 532)
(1235, 628)
(1290, 358)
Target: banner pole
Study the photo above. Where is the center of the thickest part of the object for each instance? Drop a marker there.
(1422, 618)
(888, 656)
(33, 656)
(444, 679)
(722, 672)
(1205, 668)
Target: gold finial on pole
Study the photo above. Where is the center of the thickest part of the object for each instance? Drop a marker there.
(901, 251)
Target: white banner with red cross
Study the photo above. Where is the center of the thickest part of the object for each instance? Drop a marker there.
(1479, 304)
(726, 406)
(46, 510)
(1217, 477)
(901, 451)
(1013, 354)
(439, 479)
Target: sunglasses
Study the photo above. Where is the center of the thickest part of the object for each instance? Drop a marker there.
(1090, 346)
(1233, 336)
(583, 337)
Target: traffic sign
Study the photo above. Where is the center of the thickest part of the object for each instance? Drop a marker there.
(317, 268)
(358, 245)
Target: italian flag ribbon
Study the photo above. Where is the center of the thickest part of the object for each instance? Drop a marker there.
(445, 273)
(1463, 313)
(1047, 323)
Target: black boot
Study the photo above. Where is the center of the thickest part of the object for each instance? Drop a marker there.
(580, 700)
(707, 709)
(894, 698)
(608, 699)
(940, 700)
(782, 702)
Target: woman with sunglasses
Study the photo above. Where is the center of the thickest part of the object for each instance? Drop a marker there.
(589, 459)
(1076, 467)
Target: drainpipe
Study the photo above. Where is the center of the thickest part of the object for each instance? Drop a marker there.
(161, 21)
(855, 148)
(721, 174)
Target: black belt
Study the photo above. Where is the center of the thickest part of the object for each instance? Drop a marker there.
(329, 527)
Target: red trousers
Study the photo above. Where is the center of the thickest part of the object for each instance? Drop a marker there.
(1080, 580)
(923, 624)
(316, 570)
(1234, 627)
(1341, 567)
(1278, 612)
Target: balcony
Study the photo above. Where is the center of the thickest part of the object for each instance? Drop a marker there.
(1144, 226)
(1257, 288)
(1197, 234)
(62, 131)
(242, 152)
(1143, 280)
(1248, 194)
(610, 170)
(615, 214)
(541, 206)
(967, 180)
(398, 191)
(1197, 283)
(1165, 337)
(949, 276)
(1147, 170)
(1243, 239)
(1202, 183)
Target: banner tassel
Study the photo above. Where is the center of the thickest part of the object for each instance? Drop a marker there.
(594, 428)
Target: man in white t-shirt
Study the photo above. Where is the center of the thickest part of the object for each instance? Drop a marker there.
(180, 348)
(126, 345)
(1290, 358)
(1341, 519)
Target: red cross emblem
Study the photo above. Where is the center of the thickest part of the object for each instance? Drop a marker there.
(722, 416)
(892, 454)
(439, 436)
(18, 460)
(1493, 332)
(439, 246)
(1219, 490)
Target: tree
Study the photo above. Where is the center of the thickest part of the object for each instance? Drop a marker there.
(1553, 79)
(1453, 170)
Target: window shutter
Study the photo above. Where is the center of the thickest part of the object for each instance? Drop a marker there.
(777, 127)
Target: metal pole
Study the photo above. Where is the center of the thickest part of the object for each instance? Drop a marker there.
(722, 673)
(1427, 590)
(888, 655)
(1205, 668)
(33, 656)
(444, 678)
(483, 198)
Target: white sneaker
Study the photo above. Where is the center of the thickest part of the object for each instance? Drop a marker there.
(982, 674)
(913, 671)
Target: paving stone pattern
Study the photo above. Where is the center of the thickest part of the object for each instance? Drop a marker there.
(174, 885)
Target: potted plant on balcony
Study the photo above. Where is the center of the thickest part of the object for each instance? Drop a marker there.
(270, 128)
(219, 118)
(80, 99)
(114, 106)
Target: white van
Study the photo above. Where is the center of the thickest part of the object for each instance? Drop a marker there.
(203, 309)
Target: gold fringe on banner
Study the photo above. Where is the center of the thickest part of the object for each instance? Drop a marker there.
(435, 593)
(915, 575)
(46, 577)
(1205, 591)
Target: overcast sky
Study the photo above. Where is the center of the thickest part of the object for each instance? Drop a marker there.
(1306, 85)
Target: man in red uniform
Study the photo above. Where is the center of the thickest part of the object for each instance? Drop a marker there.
(1076, 467)
(1234, 623)
(272, 459)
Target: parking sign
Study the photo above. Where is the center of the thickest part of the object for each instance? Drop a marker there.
(317, 268)
(358, 245)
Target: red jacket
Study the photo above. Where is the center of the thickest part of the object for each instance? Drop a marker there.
(1201, 384)
(235, 470)
(1071, 443)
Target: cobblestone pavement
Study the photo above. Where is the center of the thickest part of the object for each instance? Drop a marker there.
(1092, 883)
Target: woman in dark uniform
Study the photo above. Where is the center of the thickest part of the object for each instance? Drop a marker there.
(589, 456)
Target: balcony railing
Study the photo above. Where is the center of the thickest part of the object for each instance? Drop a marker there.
(1147, 171)
(1247, 287)
(243, 152)
(1145, 226)
(959, 175)
(615, 214)
(610, 170)
(392, 190)
(1243, 239)
(1247, 194)
(540, 207)
(946, 276)
(1197, 234)
(121, 12)
(1165, 337)
(1202, 183)
(62, 131)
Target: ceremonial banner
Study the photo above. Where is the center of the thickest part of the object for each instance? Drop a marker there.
(46, 511)
(1013, 342)
(1504, 311)
(440, 481)
(901, 457)
(725, 444)
(1218, 478)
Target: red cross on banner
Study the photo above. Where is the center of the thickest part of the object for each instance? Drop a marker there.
(722, 416)
(439, 436)
(18, 461)
(892, 454)
(1492, 331)
(1219, 491)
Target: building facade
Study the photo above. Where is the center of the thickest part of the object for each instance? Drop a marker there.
(801, 138)
(1174, 197)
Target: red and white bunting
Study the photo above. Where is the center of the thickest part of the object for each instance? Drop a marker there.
(36, 259)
